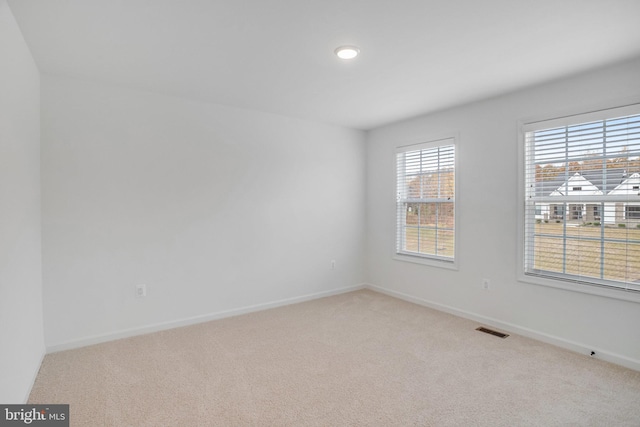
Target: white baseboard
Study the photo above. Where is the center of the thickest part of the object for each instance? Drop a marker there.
(34, 375)
(510, 327)
(126, 333)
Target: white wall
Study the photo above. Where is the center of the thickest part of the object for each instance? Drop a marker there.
(213, 208)
(21, 331)
(488, 214)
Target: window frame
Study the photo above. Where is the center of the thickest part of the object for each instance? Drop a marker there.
(427, 259)
(567, 118)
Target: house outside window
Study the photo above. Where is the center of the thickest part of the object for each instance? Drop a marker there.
(425, 201)
(589, 167)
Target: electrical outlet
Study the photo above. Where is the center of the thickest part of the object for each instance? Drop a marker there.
(141, 291)
(485, 284)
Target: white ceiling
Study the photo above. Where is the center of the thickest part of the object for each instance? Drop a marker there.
(417, 56)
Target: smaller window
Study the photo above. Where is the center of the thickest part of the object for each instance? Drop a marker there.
(577, 188)
(426, 200)
(636, 187)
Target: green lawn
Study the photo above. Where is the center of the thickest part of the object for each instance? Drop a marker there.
(583, 256)
(423, 240)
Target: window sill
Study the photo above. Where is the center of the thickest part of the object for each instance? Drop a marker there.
(603, 291)
(431, 262)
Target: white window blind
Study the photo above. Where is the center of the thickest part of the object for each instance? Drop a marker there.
(426, 200)
(582, 198)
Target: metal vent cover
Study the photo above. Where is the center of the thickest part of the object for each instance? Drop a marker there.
(491, 332)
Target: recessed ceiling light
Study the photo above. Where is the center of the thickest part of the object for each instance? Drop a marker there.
(347, 52)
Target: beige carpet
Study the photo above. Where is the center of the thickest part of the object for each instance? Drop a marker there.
(360, 358)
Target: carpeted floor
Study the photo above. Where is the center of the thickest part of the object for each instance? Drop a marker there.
(360, 358)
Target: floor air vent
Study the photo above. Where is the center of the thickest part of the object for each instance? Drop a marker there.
(491, 332)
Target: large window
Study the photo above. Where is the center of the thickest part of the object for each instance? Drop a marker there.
(589, 167)
(426, 200)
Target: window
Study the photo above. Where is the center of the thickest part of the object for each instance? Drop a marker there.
(576, 211)
(558, 211)
(633, 212)
(589, 167)
(426, 200)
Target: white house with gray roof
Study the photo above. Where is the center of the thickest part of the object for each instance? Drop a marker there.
(582, 194)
